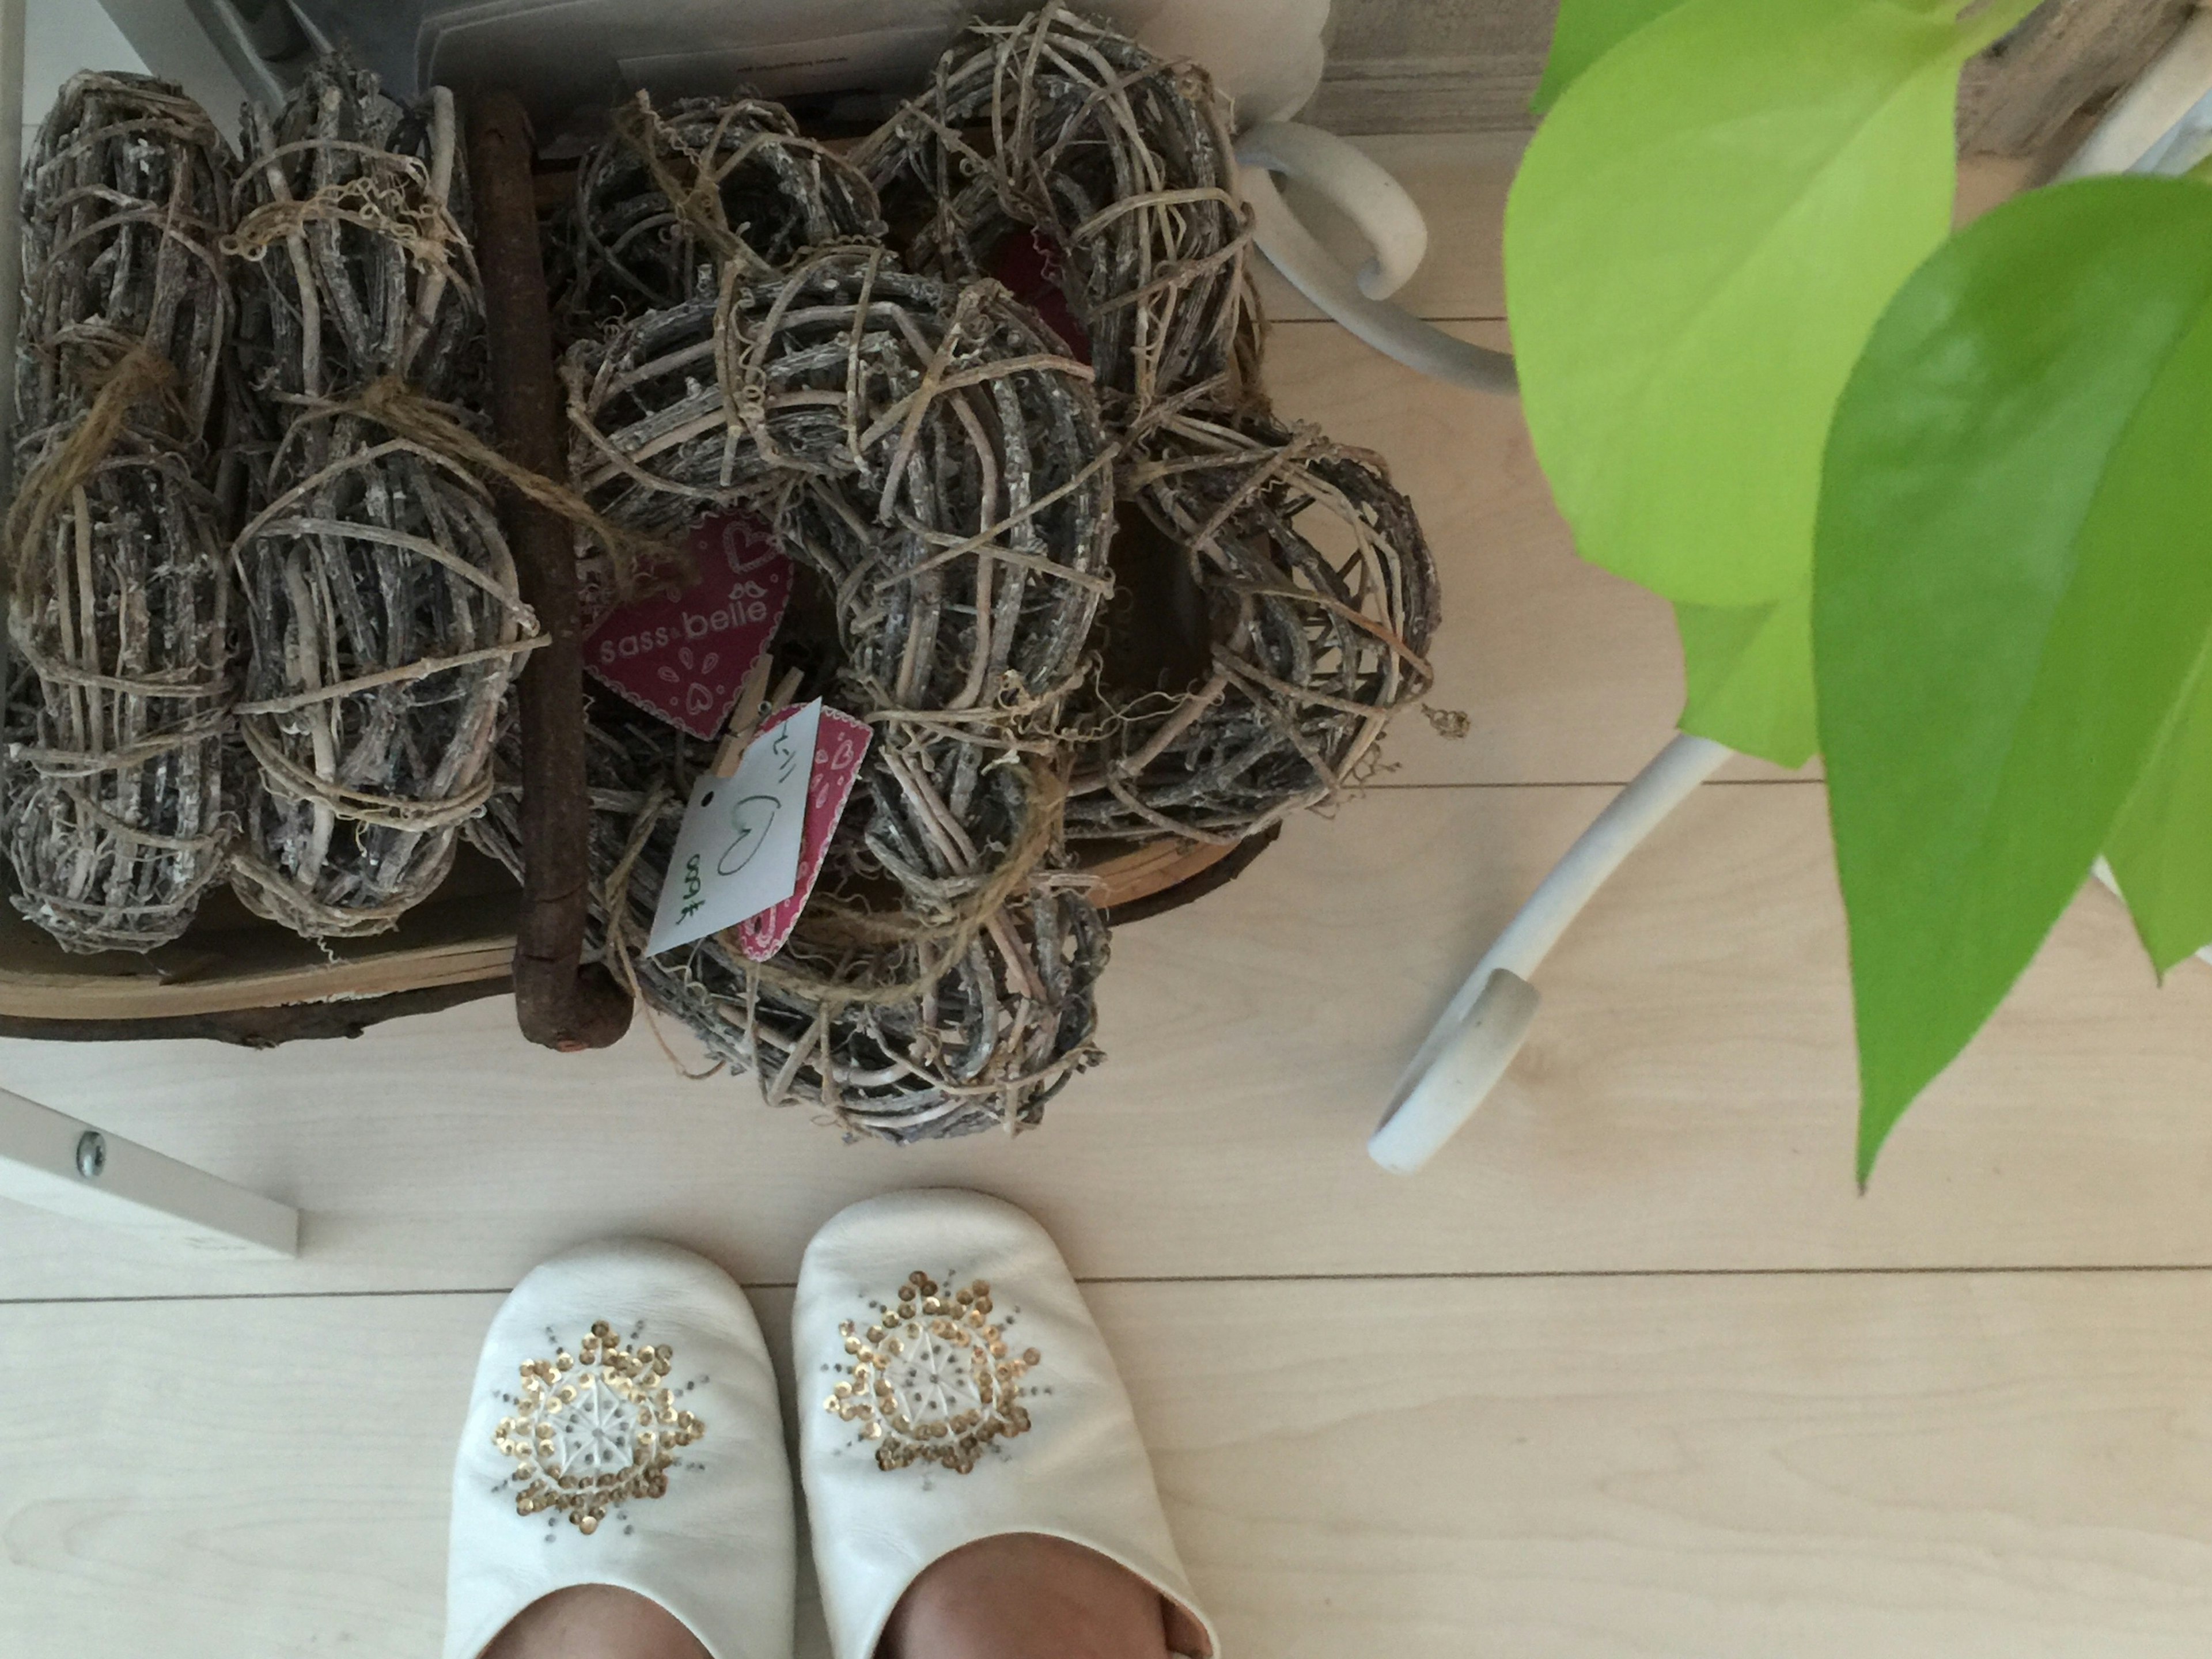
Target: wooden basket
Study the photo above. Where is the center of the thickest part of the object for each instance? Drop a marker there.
(236, 977)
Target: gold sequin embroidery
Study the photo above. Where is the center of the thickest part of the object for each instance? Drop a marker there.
(596, 1429)
(933, 1381)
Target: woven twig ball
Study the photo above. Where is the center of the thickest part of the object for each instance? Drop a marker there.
(868, 406)
(352, 231)
(897, 1009)
(385, 628)
(673, 198)
(384, 618)
(126, 196)
(118, 620)
(1320, 597)
(115, 812)
(1121, 161)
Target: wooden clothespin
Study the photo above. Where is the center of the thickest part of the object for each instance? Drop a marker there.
(752, 707)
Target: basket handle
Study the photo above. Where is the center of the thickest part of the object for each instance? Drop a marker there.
(557, 1002)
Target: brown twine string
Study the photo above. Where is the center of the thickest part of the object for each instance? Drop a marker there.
(424, 227)
(60, 471)
(394, 404)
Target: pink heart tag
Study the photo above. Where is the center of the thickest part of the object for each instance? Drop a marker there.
(839, 748)
(684, 658)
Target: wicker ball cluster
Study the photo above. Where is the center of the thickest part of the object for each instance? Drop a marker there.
(950, 471)
(753, 324)
(116, 817)
(1317, 592)
(931, 456)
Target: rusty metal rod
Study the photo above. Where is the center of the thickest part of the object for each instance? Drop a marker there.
(557, 1002)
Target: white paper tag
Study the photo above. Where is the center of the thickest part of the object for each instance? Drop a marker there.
(738, 852)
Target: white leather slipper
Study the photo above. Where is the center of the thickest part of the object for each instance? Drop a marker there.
(623, 1431)
(953, 1387)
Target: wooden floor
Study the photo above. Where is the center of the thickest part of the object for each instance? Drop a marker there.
(1631, 1370)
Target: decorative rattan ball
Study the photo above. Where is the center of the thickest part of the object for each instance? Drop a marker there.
(1320, 599)
(114, 805)
(1123, 161)
(670, 199)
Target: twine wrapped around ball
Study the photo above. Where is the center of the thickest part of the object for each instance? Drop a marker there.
(673, 199)
(118, 601)
(883, 387)
(1120, 160)
(352, 224)
(938, 465)
(1322, 599)
(384, 618)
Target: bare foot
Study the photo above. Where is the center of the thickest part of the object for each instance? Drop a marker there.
(1027, 1596)
(595, 1622)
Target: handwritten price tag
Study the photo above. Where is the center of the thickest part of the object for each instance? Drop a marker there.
(684, 658)
(839, 749)
(737, 851)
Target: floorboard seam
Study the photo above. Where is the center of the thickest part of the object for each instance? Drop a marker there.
(1534, 1275)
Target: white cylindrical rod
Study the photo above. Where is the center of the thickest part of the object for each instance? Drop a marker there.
(1432, 1101)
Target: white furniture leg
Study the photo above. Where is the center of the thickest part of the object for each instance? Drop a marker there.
(53, 1161)
(1387, 216)
(1484, 1026)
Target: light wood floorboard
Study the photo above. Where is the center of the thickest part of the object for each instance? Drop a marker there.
(1608, 1468)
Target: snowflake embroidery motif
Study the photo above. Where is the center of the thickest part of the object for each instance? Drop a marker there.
(932, 1381)
(595, 1429)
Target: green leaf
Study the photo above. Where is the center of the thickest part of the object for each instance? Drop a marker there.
(1587, 30)
(2011, 594)
(2162, 848)
(1750, 676)
(1698, 242)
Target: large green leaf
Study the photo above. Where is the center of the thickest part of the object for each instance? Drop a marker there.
(2013, 588)
(1700, 238)
(2162, 847)
(1586, 31)
(1750, 675)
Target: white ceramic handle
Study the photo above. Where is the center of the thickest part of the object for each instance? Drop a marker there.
(1485, 1025)
(1315, 272)
(1357, 187)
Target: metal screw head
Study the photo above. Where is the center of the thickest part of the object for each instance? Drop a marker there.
(91, 1154)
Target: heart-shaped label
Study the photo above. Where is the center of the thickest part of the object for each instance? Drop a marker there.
(684, 658)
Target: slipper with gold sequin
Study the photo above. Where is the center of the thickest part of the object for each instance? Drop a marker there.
(623, 1431)
(953, 1387)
